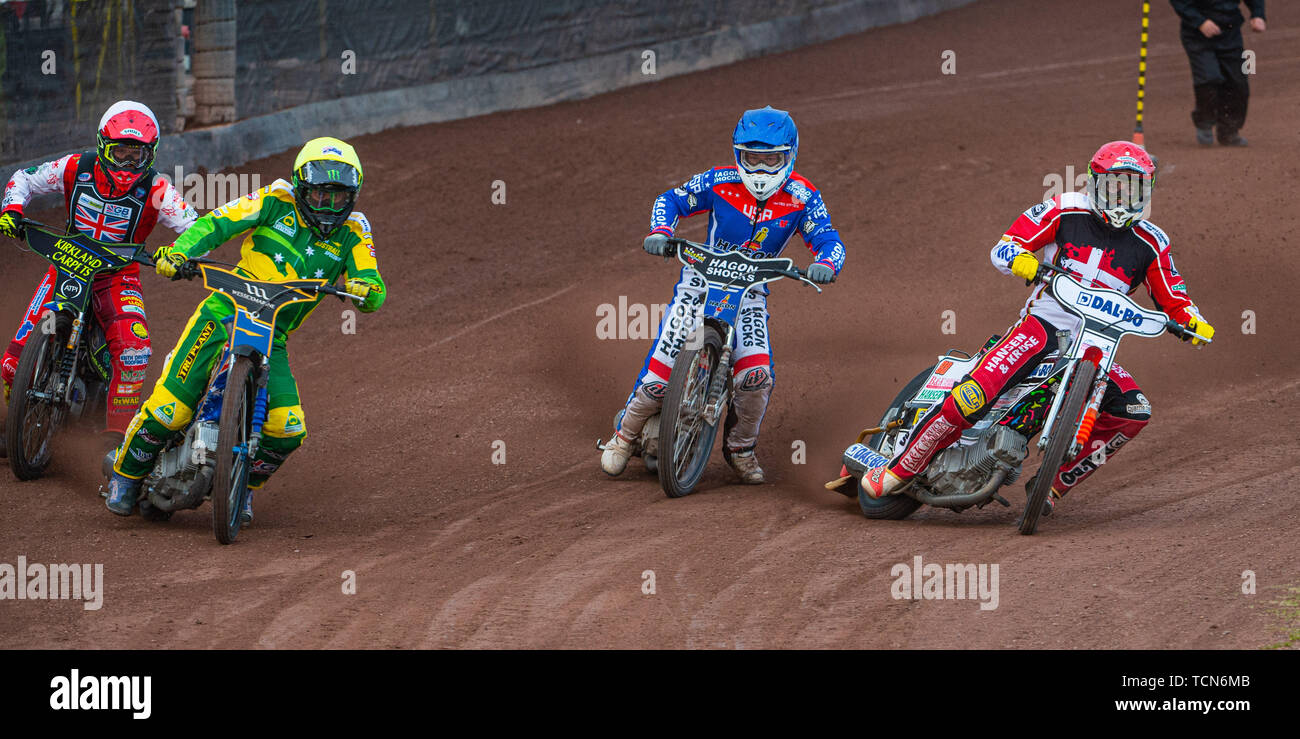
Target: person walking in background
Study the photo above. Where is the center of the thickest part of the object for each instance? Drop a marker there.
(1211, 33)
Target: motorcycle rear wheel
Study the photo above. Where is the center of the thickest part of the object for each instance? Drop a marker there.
(901, 505)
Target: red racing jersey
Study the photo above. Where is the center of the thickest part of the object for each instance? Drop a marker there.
(1070, 236)
(128, 217)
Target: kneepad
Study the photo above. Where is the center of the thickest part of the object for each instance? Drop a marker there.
(752, 379)
(970, 400)
(1132, 405)
(167, 409)
(285, 422)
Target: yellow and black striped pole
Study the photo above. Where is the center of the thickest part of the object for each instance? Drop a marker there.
(1142, 73)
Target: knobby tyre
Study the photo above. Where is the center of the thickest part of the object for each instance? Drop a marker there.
(1062, 435)
(31, 423)
(901, 505)
(685, 440)
(230, 484)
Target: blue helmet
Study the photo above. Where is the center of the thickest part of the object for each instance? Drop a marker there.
(766, 143)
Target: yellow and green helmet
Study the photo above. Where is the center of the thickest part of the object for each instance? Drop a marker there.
(326, 179)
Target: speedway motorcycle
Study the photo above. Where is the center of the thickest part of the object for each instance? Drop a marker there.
(213, 459)
(1060, 398)
(65, 369)
(678, 441)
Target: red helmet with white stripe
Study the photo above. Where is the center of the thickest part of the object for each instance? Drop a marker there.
(1121, 176)
(126, 142)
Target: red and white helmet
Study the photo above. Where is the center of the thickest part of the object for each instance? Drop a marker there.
(1121, 176)
(126, 142)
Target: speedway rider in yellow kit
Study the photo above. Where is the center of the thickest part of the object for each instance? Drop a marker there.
(304, 230)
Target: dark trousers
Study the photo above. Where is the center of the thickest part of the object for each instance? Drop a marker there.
(1222, 91)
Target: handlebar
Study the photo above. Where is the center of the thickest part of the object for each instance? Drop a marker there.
(1172, 326)
(796, 273)
(190, 269)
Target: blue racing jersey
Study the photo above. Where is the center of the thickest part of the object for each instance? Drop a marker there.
(736, 223)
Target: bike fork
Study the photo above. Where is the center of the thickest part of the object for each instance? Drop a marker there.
(1060, 389)
(717, 397)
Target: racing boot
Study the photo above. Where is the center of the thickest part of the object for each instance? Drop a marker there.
(939, 427)
(745, 463)
(617, 451)
(879, 482)
(122, 492)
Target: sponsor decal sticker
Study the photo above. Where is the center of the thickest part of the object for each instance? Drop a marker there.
(654, 390)
(166, 413)
(139, 330)
(969, 396)
(188, 361)
(135, 358)
(863, 455)
(924, 445)
(1035, 213)
(1086, 465)
(287, 226)
(755, 379)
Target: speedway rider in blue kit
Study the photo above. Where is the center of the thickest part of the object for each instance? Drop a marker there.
(757, 205)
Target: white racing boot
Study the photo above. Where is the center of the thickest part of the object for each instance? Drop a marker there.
(745, 463)
(617, 451)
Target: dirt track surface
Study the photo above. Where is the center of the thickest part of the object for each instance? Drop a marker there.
(489, 335)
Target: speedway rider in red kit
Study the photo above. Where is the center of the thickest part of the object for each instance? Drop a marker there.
(1102, 238)
(112, 194)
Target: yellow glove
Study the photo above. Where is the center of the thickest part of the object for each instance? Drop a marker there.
(368, 294)
(1025, 266)
(360, 289)
(9, 225)
(167, 260)
(1200, 326)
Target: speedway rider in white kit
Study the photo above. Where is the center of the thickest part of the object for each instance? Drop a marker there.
(757, 206)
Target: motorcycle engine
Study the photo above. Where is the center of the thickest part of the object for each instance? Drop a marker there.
(183, 472)
(965, 467)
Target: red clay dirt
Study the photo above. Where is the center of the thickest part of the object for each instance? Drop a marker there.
(489, 336)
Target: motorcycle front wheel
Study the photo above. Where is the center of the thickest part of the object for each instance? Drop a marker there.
(685, 438)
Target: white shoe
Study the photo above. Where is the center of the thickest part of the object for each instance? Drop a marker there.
(746, 465)
(618, 451)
